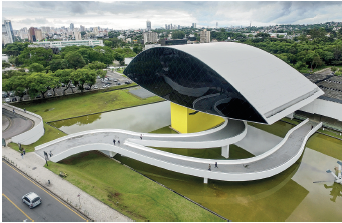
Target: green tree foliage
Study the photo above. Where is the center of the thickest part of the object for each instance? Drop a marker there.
(58, 64)
(74, 60)
(5, 65)
(83, 76)
(64, 76)
(263, 35)
(35, 55)
(178, 34)
(38, 83)
(137, 49)
(83, 33)
(15, 48)
(36, 67)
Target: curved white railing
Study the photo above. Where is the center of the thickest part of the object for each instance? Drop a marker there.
(32, 135)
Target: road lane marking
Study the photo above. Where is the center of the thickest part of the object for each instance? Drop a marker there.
(17, 207)
(46, 191)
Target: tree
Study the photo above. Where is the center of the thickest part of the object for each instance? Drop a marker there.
(83, 76)
(98, 67)
(19, 86)
(333, 69)
(137, 49)
(36, 67)
(39, 83)
(83, 33)
(64, 76)
(263, 35)
(74, 60)
(58, 64)
(35, 55)
(178, 35)
(108, 43)
(5, 65)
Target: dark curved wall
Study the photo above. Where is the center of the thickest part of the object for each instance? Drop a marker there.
(183, 79)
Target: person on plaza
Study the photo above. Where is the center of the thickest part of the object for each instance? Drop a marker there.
(24, 151)
(50, 153)
(141, 136)
(25, 110)
(13, 110)
(209, 168)
(119, 142)
(216, 165)
(114, 141)
(22, 155)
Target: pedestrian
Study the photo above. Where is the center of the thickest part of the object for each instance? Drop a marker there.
(209, 168)
(114, 141)
(312, 127)
(25, 110)
(50, 153)
(24, 151)
(141, 136)
(13, 110)
(216, 165)
(119, 142)
(22, 155)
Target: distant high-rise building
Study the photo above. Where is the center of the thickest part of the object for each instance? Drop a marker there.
(216, 25)
(82, 28)
(39, 35)
(77, 35)
(165, 26)
(95, 30)
(178, 26)
(171, 26)
(148, 25)
(204, 36)
(150, 37)
(72, 26)
(193, 25)
(7, 31)
(32, 35)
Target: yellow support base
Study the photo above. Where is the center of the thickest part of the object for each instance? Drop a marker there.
(186, 120)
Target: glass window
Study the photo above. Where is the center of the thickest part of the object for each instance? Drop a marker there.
(183, 79)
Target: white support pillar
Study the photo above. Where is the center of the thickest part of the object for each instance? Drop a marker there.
(205, 180)
(111, 154)
(290, 115)
(225, 151)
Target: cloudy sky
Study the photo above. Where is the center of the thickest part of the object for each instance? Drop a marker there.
(133, 14)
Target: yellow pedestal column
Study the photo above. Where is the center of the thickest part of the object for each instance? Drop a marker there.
(186, 120)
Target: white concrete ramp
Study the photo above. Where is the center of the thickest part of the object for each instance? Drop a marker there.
(270, 163)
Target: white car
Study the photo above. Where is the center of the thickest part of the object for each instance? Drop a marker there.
(95, 87)
(7, 100)
(31, 199)
(104, 86)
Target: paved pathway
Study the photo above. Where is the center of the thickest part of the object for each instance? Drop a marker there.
(96, 209)
(16, 124)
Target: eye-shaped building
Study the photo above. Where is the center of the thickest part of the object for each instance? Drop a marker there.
(231, 80)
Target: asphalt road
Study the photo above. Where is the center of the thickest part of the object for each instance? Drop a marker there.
(17, 124)
(15, 185)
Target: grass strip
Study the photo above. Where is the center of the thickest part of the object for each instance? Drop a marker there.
(83, 104)
(127, 191)
(50, 134)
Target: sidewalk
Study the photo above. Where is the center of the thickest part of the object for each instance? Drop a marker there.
(20, 111)
(59, 186)
(95, 209)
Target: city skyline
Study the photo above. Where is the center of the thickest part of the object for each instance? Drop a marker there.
(133, 15)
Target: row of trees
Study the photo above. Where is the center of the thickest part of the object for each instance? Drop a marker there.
(38, 81)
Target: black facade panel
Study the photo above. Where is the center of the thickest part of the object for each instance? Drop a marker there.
(183, 79)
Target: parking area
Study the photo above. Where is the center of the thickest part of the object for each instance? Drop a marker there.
(111, 79)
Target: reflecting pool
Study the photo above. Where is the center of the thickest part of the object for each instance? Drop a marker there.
(289, 196)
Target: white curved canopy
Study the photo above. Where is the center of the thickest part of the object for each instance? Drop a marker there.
(274, 88)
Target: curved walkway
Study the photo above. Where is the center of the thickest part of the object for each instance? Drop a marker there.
(15, 124)
(265, 165)
(25, 128)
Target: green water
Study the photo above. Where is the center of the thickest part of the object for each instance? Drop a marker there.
(288, 196)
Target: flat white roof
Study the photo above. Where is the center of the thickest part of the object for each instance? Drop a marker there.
(274, 88)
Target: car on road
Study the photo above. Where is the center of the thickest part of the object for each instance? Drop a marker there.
(115, 80)
(7, 100)
(95, 87)
(62, 84)
(31, 199)
(104, 86)
(128, 82)
(118, 83)
(49, 94)
(86, 88)
(14, 99)
(72, 86)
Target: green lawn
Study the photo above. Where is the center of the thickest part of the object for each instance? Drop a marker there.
(50, 134)
(83, 104)
(127, 191)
